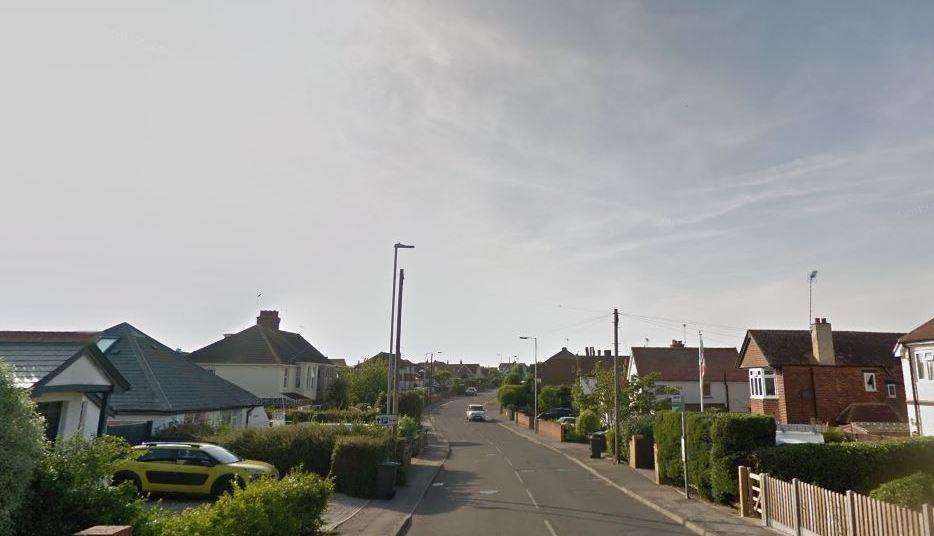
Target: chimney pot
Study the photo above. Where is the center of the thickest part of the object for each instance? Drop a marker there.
(268, 319)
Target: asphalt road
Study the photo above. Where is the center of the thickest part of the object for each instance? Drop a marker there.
(496, 482)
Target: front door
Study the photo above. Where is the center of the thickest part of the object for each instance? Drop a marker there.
(52, 412)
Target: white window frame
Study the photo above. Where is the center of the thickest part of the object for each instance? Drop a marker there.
(875, 382)
(757, 383)
(891, 390)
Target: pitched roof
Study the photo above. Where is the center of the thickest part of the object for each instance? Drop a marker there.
(262, 345)
(337, 362)
(384, 357)
(680, 364)
(868, 412)
(924, 332)
(39, 356)
(163, 380)
(851, 348)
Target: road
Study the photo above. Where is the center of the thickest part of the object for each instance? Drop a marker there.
(496, 482)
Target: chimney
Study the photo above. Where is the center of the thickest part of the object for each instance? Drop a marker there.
(822, 342)
(268, 319)
(677, 344)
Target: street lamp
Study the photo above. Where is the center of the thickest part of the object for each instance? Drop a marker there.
(534, 379)
(430, 371)
(390, 365)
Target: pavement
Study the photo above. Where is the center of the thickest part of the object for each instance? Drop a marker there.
(498, 481)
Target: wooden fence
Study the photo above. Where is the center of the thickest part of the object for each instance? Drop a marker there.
(807, 510)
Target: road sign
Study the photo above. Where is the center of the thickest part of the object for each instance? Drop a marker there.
(387, 420)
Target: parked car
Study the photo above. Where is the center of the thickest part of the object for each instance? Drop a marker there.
(190, 468)
(567, 420)
(471, 391)
(475, 412)
(555, 413)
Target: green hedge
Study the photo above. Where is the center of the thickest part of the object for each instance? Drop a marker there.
(734, 437)
(355, 462)
(698, 446)
(350, 415)
(636, 425)
(411, 403)
(587, 423)
(265, 507)
(307, 446)
(667, 433)
(860, 467)
(910, 491)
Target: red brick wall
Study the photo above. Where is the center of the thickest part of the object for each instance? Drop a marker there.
(834, 388)
(550, 429)
(764, 406)
(523, 420)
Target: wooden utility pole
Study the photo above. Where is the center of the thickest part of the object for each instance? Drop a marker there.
(616, 384)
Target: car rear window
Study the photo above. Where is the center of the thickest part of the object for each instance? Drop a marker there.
(475, 407)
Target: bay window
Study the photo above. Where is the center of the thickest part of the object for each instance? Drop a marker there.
(762, 383)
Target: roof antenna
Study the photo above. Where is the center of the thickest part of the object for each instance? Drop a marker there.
(258, 296)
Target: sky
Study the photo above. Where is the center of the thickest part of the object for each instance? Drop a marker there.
(688, 163)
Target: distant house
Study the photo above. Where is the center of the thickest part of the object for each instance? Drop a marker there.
(67, 375)
(506, 368)
(916, 352)
(339, 363)
(803, 377)
(280, 367)
(565, 367)
(725, 384)
(468, 371)
(164, 387)
(408, 373)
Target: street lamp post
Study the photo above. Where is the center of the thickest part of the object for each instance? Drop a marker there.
(390, 373)
(534, 380)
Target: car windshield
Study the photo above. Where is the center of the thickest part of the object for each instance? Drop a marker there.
(475, 407)
(221, 454)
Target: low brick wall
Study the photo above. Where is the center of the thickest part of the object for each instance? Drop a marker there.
(551, 430)
(523, 420)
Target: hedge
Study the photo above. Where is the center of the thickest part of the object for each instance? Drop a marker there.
(860, 467)
(667, 433)
(22, 443)
(510, 395)
(734, 437)
(350, 415)
(355, 462)
(698, 446)
(309, 446)
(635, 425)
(265, 507)
(587, 423)
(910, 491)
(411, 404)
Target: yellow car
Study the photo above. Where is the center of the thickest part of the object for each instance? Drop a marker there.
(190, 468)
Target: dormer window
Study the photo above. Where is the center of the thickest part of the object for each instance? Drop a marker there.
(105, 343)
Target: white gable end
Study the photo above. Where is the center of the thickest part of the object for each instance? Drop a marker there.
(82, 372)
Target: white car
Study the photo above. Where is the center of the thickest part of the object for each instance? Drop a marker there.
(475, 412)
(471, 391)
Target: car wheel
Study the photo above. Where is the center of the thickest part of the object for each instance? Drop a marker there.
(121, 478)
(226, 484)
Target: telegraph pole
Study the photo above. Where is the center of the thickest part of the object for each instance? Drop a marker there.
(616, 384)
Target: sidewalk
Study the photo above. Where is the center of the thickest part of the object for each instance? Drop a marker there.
(393, 517)
(698, 516)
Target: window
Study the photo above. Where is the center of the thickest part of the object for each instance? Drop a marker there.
(298, 378)
(869, 382)
(285, 379)
(920, 365)
(194, 457)
(707, 390)
(761, 383)
(160, 455)
(892, 390)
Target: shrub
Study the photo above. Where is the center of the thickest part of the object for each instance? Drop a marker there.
(351, 415)
(552, 396)
(408, 428)
(70, 490)
(22, 442)
(188, 431)
(697, 439)
(587, 423)
(734, 437)
(860, 467)
(411, 404)
(338, 393)
(509, 395)
(910, 491)
(635, 425)
(354, 464)
(266, 507)
(571, 435)
(457, 386)
(834, 435)
(292, 446)
(667, 434)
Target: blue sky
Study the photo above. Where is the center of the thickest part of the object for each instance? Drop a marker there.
(163, 164)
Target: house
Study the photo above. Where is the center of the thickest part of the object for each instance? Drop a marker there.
(339, 363)
(565, 367)
(67, 375)
(163, 386)
(506, 368)
(468, 372)
(916, 352)
(802, 376)
(725, 384)
(280, 367)
(409, 374)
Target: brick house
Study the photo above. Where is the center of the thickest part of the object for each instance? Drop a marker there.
(565, 367)
(815, 376)
(916, 352)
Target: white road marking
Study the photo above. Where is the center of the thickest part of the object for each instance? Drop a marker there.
(509, 461)
(438, 484)
(519, 477)
(489, 492)
(550, 528)
(529, 493)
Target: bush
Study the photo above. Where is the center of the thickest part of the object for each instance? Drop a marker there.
(734, 437)
(350, 415)
(910, 491)
(698, 446)
(70, 491)
(571, 435)
(510, 396)
(309, 446)
(188, 431)
(635, 425)
(835, 435)
(411, 403)
(587, 423)
(338, 393)
(667, 434)
(408, 428)
(266, 507)
(860, 467)
(22, 441)
(355, 462)
(457, 386)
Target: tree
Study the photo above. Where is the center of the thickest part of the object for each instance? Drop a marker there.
(457, 386)
(23, 444)
(443, 377)
(637, 396)
(554, 397)
(366, 382)
(513, 378)
(338, 394)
